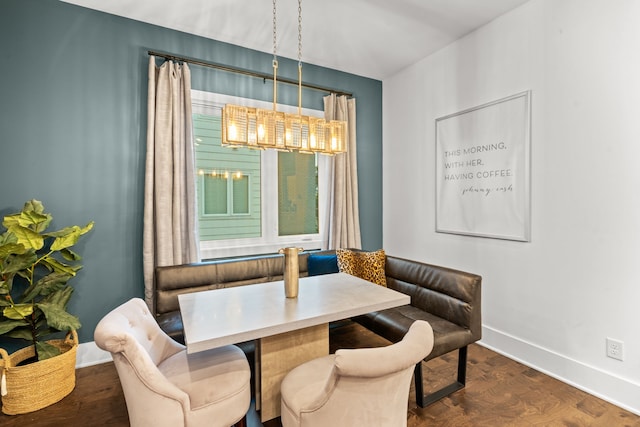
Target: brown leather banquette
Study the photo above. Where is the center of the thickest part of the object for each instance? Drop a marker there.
(450, 300)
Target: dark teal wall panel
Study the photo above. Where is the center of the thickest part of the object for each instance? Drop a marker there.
(73, 127)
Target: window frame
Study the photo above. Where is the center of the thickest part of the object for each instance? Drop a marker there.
(230, 192)
(211, 104)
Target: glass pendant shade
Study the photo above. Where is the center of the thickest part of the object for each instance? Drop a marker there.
(317, 139)
(338, 133)
(235, 125)
(297, 132)
(265, 120)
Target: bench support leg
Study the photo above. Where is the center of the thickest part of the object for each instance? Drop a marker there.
(424, 400)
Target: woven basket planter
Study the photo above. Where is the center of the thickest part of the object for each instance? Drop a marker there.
(37, 385)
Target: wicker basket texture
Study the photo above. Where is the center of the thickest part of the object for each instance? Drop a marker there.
(37, 385)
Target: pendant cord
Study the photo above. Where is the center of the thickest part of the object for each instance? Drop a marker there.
(275, 60)
(257, 128)
(299, 57)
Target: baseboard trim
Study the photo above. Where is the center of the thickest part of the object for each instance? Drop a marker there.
(604, 385)
(90, 354)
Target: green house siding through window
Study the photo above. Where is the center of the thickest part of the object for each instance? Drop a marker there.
(228, 184)
(297, 194)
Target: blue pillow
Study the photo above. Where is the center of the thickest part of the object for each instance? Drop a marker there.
(322, 264)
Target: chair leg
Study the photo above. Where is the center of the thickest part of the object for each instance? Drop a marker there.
(424, 400)
(242, 422)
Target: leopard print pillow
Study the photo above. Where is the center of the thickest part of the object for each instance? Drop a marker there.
(365, 265)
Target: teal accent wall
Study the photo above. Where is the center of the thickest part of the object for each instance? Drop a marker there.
(73, 127)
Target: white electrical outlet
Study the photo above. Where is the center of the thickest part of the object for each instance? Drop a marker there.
(615, 349)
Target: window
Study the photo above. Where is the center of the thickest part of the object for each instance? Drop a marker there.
(224, 193)
(240, 194)
(254, 201)
(214, 194)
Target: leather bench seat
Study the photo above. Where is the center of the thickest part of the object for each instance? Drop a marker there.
(393, 323)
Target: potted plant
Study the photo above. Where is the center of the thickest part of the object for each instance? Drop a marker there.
(35, 267)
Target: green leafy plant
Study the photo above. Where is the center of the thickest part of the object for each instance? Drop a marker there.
(35, 266)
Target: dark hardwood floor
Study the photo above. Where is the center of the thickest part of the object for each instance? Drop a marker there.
(499, 392)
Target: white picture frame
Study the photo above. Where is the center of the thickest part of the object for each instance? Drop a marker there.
(483, 170)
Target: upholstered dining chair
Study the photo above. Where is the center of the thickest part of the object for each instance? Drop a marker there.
(359, 387)
(165, 386)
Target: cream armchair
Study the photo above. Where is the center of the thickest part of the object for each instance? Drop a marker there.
(165, 386)
(361, 387)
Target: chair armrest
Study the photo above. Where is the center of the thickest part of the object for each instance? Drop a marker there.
(149, 375)
(376, 362)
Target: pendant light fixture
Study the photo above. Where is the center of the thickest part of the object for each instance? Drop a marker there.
(261, 128)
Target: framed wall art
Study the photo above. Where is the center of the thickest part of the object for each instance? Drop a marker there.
(483, 170)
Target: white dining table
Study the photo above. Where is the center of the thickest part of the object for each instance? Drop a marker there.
(289, 331)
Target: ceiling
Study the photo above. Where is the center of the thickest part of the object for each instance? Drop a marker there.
(371, 38)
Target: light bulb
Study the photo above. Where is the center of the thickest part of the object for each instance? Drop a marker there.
(233, 132)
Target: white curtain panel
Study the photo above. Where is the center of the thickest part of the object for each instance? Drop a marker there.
(344, 220)
(170, 215)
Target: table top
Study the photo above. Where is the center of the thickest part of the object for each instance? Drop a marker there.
(231, 315)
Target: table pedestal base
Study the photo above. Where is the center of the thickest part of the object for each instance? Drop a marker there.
(276, 355)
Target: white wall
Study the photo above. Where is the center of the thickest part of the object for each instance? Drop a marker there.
(550, 302)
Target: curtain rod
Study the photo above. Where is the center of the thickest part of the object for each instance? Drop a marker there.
(230, 69)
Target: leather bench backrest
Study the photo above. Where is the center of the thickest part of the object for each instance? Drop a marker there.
(171, 281)
(450, 294)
